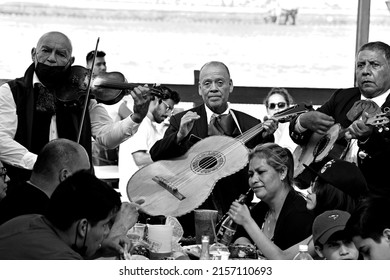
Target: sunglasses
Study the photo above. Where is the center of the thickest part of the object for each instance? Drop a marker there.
(280, 105)
(3, 172)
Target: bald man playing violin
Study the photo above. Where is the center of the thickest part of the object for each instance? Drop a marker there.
(31, 115)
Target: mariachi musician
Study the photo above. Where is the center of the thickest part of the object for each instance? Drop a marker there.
(355, 110)
(215, 85)
(31, 113)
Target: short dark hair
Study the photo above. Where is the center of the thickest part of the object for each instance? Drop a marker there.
(219, 63)
(79, 196)
(58, 152)
(377, 46)
(167, 93)
(98, 54)
(370, 218)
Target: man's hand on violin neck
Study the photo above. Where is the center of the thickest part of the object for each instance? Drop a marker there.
(141, 99)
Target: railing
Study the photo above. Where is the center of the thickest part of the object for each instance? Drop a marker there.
(250, 95)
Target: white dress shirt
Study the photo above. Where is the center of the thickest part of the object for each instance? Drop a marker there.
(103, 129)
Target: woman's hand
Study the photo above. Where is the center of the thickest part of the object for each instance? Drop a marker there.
(240, 213)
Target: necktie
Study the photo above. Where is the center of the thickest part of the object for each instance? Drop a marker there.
(45, 101)
(221, 125)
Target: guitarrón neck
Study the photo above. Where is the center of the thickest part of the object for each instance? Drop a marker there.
(250, 133)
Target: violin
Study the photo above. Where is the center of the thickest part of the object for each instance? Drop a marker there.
(107, 88)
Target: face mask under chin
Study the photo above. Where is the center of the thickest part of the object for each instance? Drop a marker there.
(51, 76)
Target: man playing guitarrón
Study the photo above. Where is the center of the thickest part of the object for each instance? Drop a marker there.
(369, 146)
(215, 85)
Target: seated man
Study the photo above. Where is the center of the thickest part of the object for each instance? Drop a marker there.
(78, 220)
(369, 227)
(57, 160)
(330, 239)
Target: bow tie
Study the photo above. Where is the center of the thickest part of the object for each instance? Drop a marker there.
(363, 106)
(45, 101)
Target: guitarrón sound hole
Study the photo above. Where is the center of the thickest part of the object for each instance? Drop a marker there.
(207, 162)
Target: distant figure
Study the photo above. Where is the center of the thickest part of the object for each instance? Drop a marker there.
(101, 155)
(279, 99)
(100, 62)
(281, 12)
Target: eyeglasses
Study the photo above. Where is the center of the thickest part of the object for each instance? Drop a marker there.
(3, 172)
(280, 105)
(169, 108)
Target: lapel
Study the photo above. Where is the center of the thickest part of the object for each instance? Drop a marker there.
(201, 126)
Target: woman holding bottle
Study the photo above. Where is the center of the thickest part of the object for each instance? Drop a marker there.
(339, 185)
(281, 215)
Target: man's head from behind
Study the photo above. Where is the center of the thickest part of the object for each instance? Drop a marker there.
(330, 240)
(369, 227)
(215, 86)
(82, 209)
(373, 69)
(163, 104)
(100, 62)
(57, 160)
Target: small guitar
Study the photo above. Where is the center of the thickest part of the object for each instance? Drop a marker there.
(320, 146)
(177, 186)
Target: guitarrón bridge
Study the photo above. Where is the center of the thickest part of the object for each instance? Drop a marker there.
(168, 186)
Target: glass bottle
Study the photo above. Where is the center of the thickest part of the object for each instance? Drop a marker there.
(228, 227)
(303, 253)
(204, 254)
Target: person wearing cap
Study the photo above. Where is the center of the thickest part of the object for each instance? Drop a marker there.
(330, 240)
(369, 227)
(364, 144)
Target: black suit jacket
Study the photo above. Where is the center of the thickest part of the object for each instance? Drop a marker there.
(227, 189)
(22, 198)
(377, 162)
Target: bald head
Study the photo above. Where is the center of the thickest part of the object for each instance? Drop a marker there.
(53, 49)
(57, 160)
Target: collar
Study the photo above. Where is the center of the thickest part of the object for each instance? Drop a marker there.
(380, 100)
(35, 186)
(36, 80)
(209, 113)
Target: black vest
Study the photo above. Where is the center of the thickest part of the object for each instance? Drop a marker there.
(33, 126)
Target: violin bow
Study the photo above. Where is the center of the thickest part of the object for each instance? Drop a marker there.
(88, 93)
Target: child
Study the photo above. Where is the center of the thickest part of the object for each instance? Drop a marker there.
(330, 239)
(369, 227)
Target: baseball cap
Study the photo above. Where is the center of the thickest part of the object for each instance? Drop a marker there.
(344, 175)
(328, 223)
